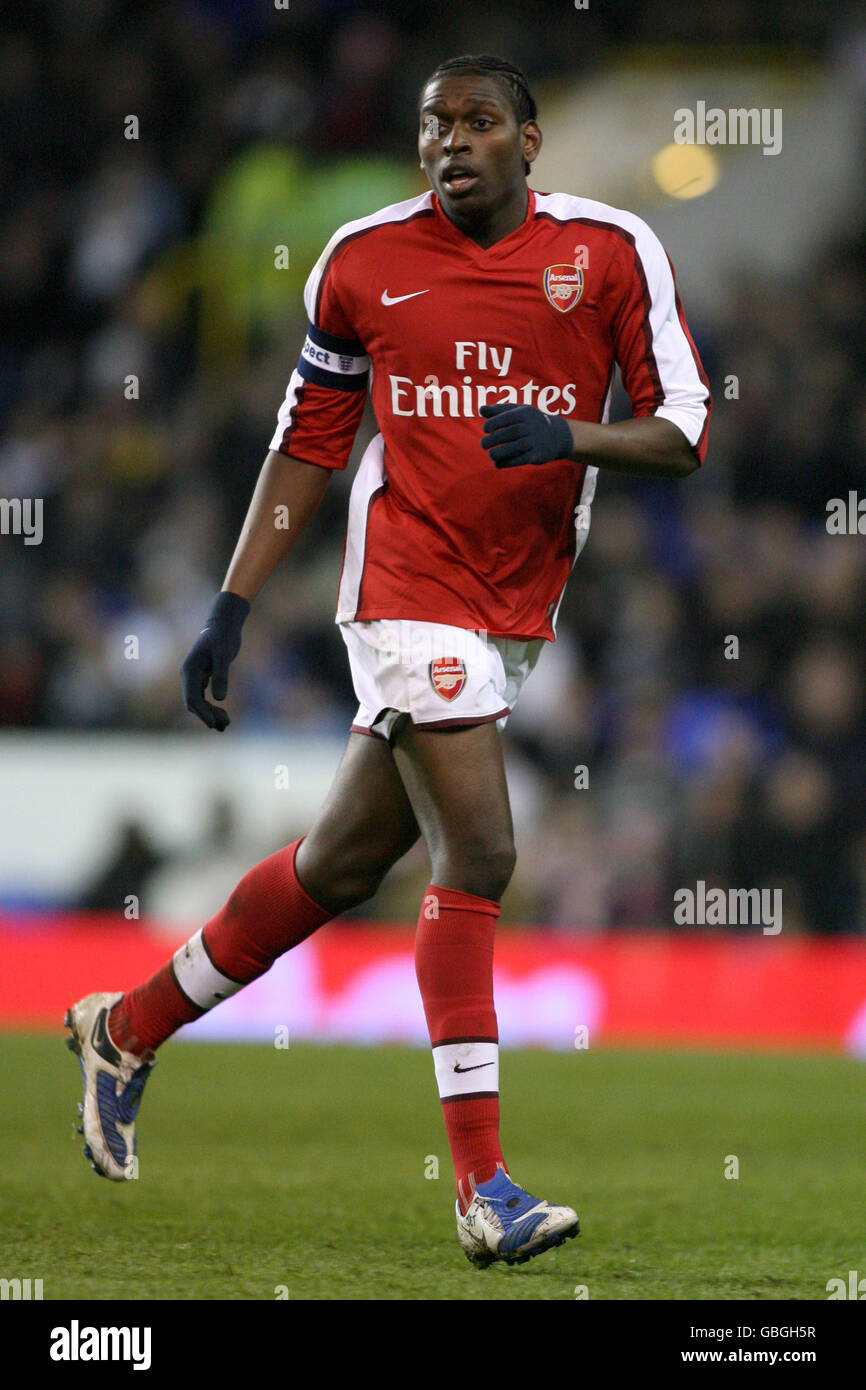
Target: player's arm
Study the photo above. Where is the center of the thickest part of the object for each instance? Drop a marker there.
(661, 371)
(286, 495)
(316, 428)
(648, 447)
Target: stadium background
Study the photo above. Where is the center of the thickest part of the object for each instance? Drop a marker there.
(153, 257)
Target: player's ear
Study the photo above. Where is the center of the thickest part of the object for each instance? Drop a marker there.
(531, 138)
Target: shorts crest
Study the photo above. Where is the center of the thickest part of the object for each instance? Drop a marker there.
(447, 676)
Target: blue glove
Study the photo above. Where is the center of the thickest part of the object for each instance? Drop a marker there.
(210, 657)
(517, 434)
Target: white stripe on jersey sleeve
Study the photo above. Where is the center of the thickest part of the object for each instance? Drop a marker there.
(685, 403)
(394, 212)
(296, 382)
(369, 477)
(583, 510)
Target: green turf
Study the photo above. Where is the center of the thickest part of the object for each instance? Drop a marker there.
(304, 1168)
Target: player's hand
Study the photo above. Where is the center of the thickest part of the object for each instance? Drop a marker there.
(210, 657)
(517, 434)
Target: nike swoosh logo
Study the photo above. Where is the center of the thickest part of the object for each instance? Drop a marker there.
(457, 1066)
(398, 299)
(101, 1042)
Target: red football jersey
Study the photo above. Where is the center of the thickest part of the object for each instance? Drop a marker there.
(440, 326)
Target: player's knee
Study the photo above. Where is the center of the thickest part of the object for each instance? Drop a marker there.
(342, 889)
(498, 869)
(339, 880)
(484, 870)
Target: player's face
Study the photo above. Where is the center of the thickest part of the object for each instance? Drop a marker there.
(471, 145)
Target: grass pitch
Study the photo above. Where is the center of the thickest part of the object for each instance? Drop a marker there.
(301, 1172)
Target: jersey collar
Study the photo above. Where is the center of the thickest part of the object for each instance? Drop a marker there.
(503, 245)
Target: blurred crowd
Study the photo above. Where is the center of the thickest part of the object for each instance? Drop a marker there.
(146, 338)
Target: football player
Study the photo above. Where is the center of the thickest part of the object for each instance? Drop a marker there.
(487, 319)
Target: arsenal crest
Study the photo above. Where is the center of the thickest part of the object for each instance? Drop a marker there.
(563, 285)
(448, 676)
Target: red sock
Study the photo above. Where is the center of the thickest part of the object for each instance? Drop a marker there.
(267, 914)
(454, 965)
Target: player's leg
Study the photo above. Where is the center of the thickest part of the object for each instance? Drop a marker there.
(455, 780)
(366, 824)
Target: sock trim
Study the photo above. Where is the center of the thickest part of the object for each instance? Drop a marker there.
(182, 991)
(471, 901)
(204, 983)
(218, 968)
(465, 1038)
(456, 1065)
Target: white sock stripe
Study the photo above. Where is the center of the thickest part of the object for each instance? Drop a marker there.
(198, 977)
(465, 1067)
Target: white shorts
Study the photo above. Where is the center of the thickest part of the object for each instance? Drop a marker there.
(440, 676)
